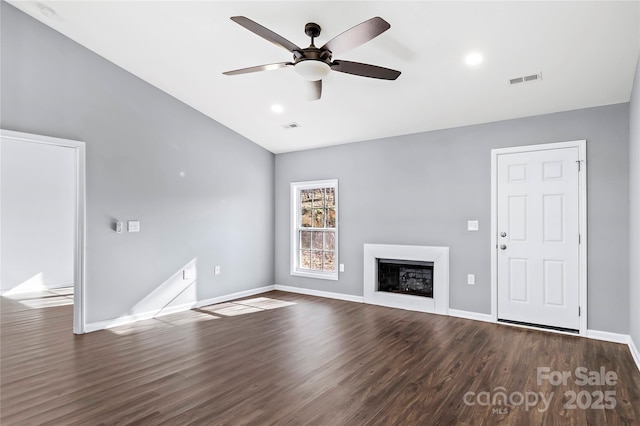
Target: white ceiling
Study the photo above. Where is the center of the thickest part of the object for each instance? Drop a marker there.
(586, 52)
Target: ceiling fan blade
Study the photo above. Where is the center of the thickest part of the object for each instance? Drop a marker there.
(267, 67)
(356, 36)
(365, 70)
(314, 90)
(265, 33)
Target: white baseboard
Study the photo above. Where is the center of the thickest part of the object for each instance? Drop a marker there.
(123, 320)
(608, 336)
(232, 296)
(129, 319)
(19, 290)
(470, 315)
(634, 352)
(319, 293)
(617, 338)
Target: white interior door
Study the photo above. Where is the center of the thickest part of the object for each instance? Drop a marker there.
(538, 237)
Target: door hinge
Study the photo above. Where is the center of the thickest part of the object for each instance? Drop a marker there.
(579, 162)
(579, 239)
(578, 310)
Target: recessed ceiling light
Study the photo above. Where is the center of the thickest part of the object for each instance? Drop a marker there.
(473, 59)
(278, 109)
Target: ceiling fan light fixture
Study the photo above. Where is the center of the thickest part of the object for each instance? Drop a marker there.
(312, 70)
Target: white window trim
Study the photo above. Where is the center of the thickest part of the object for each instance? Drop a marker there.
(296, 187)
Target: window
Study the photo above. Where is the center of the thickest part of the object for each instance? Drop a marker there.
(314, 236)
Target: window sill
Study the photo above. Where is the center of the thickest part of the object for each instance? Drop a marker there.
(319, 275)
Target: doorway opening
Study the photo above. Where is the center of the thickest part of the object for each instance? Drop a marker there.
(73, 169)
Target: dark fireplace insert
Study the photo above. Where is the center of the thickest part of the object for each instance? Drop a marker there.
(406, 277)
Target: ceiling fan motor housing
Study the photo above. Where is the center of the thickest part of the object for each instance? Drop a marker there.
(312, 64)
(312, 52)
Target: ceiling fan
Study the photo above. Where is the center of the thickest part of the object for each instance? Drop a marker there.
(313, 63)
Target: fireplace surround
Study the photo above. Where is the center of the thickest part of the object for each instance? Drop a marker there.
(420, 291)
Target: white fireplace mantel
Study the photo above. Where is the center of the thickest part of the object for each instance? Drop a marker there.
(439, 304)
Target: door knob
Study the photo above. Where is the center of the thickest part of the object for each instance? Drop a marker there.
(503, 247)
(503, 234)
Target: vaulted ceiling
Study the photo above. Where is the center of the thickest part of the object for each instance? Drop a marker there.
(585, 52)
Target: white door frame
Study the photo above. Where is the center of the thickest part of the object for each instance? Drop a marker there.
(80, 218)
(582, 219)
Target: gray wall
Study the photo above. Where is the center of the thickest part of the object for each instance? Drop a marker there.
(415, 189)
(38, 199)
(634, 215)
(422, 188)
(138, 141)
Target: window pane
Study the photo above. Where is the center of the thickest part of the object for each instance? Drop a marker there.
(306, 204)
(316, 243)
(305, 217)
(329, 241)
(331, 218)
(318, 198)
(318, 218)
(306, 195)
(305, 240)
(329, 261)
(305, 259)
(330, 197)
(316, 260)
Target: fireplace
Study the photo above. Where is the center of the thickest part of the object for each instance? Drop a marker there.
(406, 277)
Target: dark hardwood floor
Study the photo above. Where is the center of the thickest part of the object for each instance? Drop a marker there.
(282, 358)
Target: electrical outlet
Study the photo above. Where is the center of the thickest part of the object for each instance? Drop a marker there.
(216, 270)
(472, 225)
(471, 279)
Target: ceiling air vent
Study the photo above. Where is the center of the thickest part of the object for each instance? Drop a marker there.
(292, 125)
(526, 79)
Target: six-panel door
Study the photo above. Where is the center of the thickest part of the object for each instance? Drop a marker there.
(538, 237)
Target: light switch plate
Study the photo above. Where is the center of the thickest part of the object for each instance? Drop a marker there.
(342, 267)
(472, 225)
(133, 226)
(471, 279)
